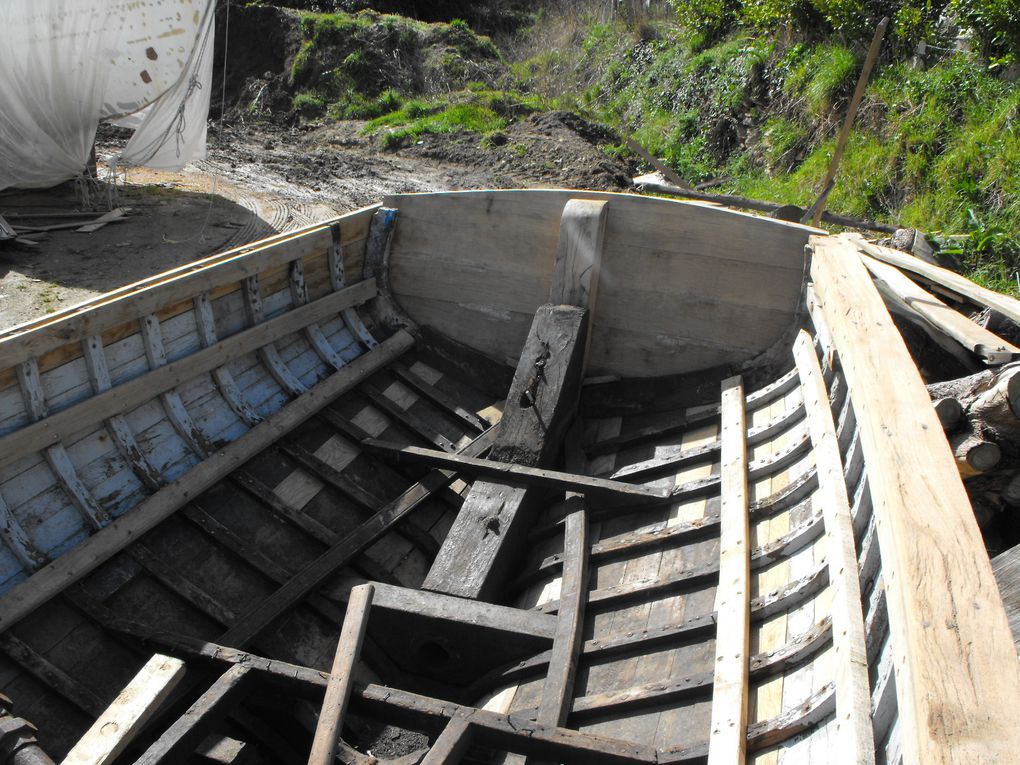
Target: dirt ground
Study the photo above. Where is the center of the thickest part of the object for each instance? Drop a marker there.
(257, 181)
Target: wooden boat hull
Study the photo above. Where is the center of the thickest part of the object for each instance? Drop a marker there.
(753, 547)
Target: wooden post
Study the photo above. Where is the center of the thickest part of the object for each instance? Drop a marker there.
(451, 745)
(341, 677)
(728, 738)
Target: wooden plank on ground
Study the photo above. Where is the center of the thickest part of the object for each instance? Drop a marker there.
(920, 304)
(341, 677)
(54, 577)
(492, 523)
(955, 283)
(728, 736)
(121, 398)
(952, 644)
(128, 713)
(508, 472)
(853, 692)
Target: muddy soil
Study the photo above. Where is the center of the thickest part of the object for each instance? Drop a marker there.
(258, 180)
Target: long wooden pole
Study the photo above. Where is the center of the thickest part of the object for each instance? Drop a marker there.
(814, 213)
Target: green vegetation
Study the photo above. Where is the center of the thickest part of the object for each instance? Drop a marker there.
(752, 94)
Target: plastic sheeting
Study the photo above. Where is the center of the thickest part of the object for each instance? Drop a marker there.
(66, 65)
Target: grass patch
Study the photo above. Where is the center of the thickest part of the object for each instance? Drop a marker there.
(419, 117)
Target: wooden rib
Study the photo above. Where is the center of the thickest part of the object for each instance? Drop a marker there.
(205, 321)
(341, 677)
(442, 399)
(268, 354)
(117, 726)
(451, 745)
(955, 283)
(130, 394)
(510, 472)
(312, 575)
(313, 334)
(18, 542)
(943, 679)
(407, 418)
(116, 424)
(338, 280)
(182, 738)
(853, 694)
(177, 414)
(47, 582)
(56, 456)
(51, 676)
(180, 585)
(558, 690)
(728, 740)
(934, 314)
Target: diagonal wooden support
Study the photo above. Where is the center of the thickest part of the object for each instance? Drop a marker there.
(493, 521)
(341, 678)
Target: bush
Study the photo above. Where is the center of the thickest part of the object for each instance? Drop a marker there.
(996, 23)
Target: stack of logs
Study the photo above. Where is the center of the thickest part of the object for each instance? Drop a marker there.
(981, 417)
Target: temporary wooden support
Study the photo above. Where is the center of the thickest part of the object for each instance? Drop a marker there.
(541, 401)
(728, 737)
(558, 690)
(341, 677)
(941, 277)
(920, 305)
(508, 472)
(451, 745)
(1006, 566)
(178, 743)
(52, 579)
(128, 713)
(316, 572)
(853, 692)
(942, 615)
(67, 422)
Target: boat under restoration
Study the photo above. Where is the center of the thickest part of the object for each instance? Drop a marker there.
(488, 476)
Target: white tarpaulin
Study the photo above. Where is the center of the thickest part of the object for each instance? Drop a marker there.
(65, 65)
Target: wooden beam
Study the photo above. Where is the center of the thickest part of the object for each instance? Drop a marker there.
(853, 692)
(508, 472)
(558, 690)
(54, 577)
(337, 556)
(952, 645)
(341, 676)
(493, 522)
(942, 277)
(180, 740)
(451, 745)
(128, 713)
(919, 305)
(1006, 566)
(728, 737)
(118, 399)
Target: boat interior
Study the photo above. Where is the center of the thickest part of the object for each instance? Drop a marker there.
(490, 476)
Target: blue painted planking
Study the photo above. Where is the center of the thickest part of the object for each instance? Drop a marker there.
(180, 336)
(126, 359)
(159, 441)
(210, 411)
(229, 314)
(50, 520)
(302, 360)
(276, 304)
(12, 410)
(258, 387)
(22, 480)
(66, 385)
(11, 573)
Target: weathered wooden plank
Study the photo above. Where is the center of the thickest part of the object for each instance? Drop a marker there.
(72, 420)
(451, 745)
(511, 473)
(728, 738)
(53, 578)
(1006, 566)
(918, 303)
(447, 402)
(341, 677)
(558, 689)
(182, 738)
(493, 521)
(338, 281)
(853, 694)
(127, 714)
(51, 676)
(414, 423)
(950, 658)
(312, 575)
(267, 353)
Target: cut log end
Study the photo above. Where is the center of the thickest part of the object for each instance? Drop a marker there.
(949, 411)
(974, 455)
